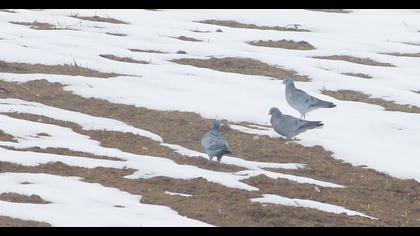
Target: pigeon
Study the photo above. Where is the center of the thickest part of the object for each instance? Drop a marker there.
(215, 143)
(290, 126)
(301, 101)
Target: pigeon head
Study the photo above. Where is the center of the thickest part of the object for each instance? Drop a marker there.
(287, 81)
(274, 111)
(216, 125)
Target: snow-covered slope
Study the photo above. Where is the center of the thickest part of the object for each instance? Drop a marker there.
(358, 133)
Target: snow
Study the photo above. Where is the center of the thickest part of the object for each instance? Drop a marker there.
(178, 194)
(276, 199)
(357, 133)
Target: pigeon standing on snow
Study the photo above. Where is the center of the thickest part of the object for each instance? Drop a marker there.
(301, 101)
(215, 143)
(290, 126)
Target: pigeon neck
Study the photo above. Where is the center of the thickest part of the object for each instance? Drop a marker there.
(216, 127)
(290, 86)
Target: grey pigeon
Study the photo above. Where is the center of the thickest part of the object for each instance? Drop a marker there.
(215, 143)
(301, 101)
(290, 126)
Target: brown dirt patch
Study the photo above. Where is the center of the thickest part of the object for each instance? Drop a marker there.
(235, 24)
(360, 75)
(66, 69)
(123, 59)
(330, 10)
(363, 61)
(148, 51)
(20, 198)
(116, 34)
(393, 201)
(287, 44)
(245, 66)
(100, 19)
(350, 95)
(185, 38)
(6, 221)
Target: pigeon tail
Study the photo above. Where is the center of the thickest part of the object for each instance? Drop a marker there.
(331, 105)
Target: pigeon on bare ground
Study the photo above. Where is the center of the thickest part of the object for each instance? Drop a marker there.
(215, 143)
(290, 126)
(301, 101)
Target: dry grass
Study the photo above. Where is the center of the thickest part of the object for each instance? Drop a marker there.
(330, 10)
(287, 44)
(19, 198)
(235, 24)
(123, 59)
(185, 38)
(24, 68)
(350, 95)
(148, 51)
(6, 221)
(363, 61)
(393, 201)
(360, 75)
(37, 25)
(116, 34)
(245, 66)
(100, 19)
(403, 54)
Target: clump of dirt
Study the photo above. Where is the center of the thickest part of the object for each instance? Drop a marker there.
(66, 69)
(330, 10)
(287, 44)
(185, 38)
(360, 75)
(117, 34)
(363, 61)
(350, 95)
(37, 25)
(6, 221)
(148, 51)
(123, 59)
(100, 19)
(235, 24)
(238, 65)
(19, 198)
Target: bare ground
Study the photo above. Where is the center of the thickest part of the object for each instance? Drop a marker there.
(393, 201)
(6, 221)
(363, 61)
(19, 198)
(185, 38)
(235, 24)
(350, 95)
(123, 59)
(286, 44)
(330, 10)
(360, 75)
(100, 19)
(245, 66)
(67, 69)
